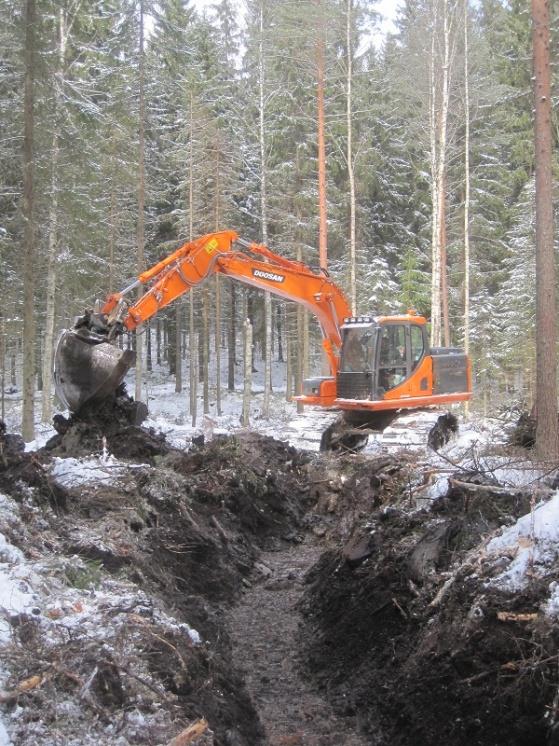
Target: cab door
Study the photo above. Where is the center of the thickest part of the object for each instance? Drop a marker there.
(393, 357)
(401, 351)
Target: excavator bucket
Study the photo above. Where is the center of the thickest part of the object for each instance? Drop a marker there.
(87, 368)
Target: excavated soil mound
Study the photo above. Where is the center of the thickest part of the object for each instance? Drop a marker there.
(422, 652)
(186, 532)
(18, 468)
(111, 425)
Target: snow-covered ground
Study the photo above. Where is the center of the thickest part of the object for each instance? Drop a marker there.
(529, 550)
(68, 599)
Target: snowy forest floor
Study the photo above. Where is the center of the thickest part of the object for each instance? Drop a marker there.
(396, 596)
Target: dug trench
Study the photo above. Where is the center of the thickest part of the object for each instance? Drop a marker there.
(330, 608)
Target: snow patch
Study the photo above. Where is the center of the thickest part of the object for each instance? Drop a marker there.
(4, 738)
(531, 547)
(73, 472)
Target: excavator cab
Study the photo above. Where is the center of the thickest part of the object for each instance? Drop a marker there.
(386, 363)
(378, 356)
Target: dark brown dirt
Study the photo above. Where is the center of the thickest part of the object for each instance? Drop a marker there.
(188, 532)
(390, 633)
(424, 671)
(264, 629)
(111, 424)
(18, 469)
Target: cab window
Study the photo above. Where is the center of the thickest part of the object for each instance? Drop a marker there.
(392, 356)
(417, 345)
(357, 350)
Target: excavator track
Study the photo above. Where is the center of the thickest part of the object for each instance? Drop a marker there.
(412, 430)
(304, 431)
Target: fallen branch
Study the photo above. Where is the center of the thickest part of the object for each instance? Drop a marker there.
(486, 488)
(172, 647)
(512, 616)
(160, 693)
(219, 528)
(27, 685)
(190, 734)
(449, 582)
(397, 605)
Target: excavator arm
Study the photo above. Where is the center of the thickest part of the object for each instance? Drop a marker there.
(87, 366)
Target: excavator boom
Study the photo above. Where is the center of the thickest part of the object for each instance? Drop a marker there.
(87, 367)
(377, 364)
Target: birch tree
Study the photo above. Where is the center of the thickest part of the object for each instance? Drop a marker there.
(63, 30)
(547, 431)
(29, 238)
(140, 228)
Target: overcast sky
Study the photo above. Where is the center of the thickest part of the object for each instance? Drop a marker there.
(386, 8)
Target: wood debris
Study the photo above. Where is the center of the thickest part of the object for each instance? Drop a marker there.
(190, 734)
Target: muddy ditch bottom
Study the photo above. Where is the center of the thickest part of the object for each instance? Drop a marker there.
(264, 628)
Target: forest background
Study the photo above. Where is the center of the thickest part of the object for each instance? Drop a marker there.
(151, 123)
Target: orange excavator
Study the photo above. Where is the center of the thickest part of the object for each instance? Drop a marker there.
(378, 364)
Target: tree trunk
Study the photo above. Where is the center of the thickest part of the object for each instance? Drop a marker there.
(232, 338)
(547, 432)
(28, 425)
(322, 205)
(350, 168)
(149, 360)
(46, 399)
(466, 190)
(264, 221)
(178, 346)
(193, 390)
(206, 348)
(288, 368)
(113, 218)
(299, 362)
(39, 360)
(301, 350)
(170, 338)
(279, 331)
(217, 345)
(435, 256)
(217, 336)
(141, 193)
(193, 380)
(444, 269)
(158, 340)
(13, 370)
(247, 372)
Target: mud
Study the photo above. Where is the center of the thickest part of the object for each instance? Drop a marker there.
(264, 626)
